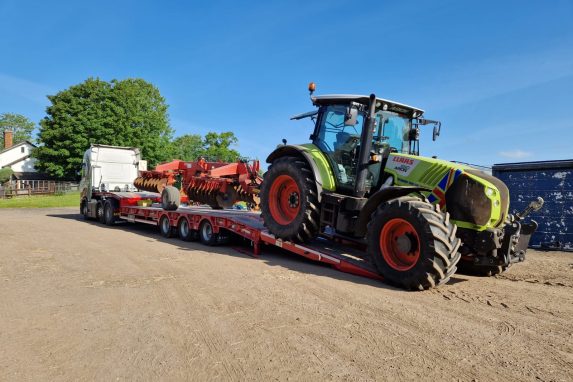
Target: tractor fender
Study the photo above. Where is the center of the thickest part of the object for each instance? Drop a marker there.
(381, 196)
(301, 152)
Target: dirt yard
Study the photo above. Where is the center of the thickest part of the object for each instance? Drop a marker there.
(81, 301)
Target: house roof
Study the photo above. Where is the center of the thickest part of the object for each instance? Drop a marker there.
(17, 145)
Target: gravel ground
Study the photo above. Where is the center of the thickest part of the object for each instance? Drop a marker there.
(81, 301)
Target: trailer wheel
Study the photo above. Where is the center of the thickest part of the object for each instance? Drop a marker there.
(186, 233)
(165, 227)
(100, 212)
(108, 213)
(413, 244)
(170, 198)
(206, 234)
(289, 200)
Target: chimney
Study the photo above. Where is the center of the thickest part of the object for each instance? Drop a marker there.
(8, 139)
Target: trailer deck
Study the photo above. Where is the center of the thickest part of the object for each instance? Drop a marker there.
(246, 224)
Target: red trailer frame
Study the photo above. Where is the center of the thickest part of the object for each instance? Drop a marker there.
(247, 224)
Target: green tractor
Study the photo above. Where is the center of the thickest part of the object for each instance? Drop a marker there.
(362, 180)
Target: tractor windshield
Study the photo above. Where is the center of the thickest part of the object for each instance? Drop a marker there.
(341, 142)
(392, 129)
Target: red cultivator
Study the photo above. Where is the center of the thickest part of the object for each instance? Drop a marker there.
(218, 184)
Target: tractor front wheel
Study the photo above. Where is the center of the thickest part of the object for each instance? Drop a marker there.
(413, 244)
(289, 200)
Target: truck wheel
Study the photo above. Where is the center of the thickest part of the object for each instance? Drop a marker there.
(108, 213)
(289, 200)
(165, 227)
(185, 231)
(413, 244)
(206, 234)
(84, 209)
(100, 212)
(170, 198)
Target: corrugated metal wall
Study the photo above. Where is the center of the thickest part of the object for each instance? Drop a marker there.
(553, 181)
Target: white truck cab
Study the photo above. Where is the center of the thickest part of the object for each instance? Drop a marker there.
(108, 169)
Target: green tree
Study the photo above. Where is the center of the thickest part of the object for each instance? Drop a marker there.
(5, 174)
(20, 125)
(188, 147)
(218, 146)
(130, 112)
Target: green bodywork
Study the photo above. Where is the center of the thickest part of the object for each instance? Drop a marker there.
(438, 175)
(324, 169)
(410, 170)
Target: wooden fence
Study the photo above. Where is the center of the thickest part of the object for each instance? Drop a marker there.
(35, 187)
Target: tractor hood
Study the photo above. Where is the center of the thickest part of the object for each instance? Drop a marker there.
(473, 198)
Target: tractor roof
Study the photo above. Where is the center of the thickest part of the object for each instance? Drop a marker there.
(330, 99)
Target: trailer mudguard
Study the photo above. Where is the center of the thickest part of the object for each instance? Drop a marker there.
(379, 197)
(316, 160)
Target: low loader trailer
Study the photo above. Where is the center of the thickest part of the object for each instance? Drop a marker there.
(108, 195)
(214, 227)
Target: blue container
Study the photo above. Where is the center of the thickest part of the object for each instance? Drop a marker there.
(553, 181)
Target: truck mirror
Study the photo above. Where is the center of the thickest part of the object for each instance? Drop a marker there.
(350, 116)
(436, 132)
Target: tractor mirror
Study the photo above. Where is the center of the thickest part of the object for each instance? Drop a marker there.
(351, 116)
(436, 132)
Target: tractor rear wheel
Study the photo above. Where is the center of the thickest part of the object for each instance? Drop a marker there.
(289, 200)
(413, 244)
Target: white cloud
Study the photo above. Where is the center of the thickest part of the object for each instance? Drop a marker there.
(515, 154)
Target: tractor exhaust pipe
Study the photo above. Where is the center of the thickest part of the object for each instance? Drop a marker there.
(365, 146)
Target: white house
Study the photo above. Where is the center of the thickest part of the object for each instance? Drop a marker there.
(18, 156)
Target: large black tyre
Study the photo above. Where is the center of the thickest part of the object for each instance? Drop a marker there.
(84, 209)
(108, 213)
(186, 233)
(99, 212)
(206, 234)
(413, 244)
(170, 198)
(289, 200)
(165, 227)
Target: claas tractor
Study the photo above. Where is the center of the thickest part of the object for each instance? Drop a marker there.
(362, 179)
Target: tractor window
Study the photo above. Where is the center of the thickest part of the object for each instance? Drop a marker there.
(340, 143)
(395, 129)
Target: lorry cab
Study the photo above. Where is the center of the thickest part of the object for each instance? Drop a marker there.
(104, 169)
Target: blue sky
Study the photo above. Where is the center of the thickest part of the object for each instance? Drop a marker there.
(498, 74)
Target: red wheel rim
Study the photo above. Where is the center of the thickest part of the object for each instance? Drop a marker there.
(400, 244)
(284, 199)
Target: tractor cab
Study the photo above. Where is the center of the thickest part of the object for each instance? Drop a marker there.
(352, 140)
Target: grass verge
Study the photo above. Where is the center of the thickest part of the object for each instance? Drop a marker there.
(71, 199)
